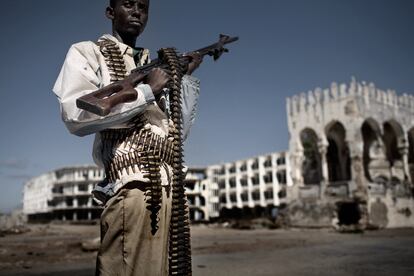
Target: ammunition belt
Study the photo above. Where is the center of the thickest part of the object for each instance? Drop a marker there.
(179, 234)
(141, 149)
(113, 59)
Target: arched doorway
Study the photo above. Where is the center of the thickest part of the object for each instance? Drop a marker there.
(338, 158)
(393, 140)
(373, 150)
(311, 166)
(410, 135)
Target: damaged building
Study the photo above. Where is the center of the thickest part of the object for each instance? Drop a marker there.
(352, 156)
(252, 187)
(65, 194)
(245, 188)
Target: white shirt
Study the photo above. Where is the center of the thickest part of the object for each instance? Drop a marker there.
(85, 71)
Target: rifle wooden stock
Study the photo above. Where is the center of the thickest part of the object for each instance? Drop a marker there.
(103, 100)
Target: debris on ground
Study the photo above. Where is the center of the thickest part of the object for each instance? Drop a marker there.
(91, 245)
(13, 224)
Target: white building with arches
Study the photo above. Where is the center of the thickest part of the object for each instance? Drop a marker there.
(352, 156)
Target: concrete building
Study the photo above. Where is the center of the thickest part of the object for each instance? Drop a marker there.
(63, 194)
(352, 155)
(197, 190)
(250, 187)
(254, 186)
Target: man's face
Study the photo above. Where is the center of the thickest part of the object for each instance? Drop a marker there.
(129, 17)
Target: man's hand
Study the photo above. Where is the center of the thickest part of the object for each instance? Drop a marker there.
(196, 60)
(157, 79)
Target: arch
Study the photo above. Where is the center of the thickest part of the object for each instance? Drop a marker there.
(374, 125)
(335, 125)
(338, 156)
(394, 141)
(393, 138)
(396, 126)
(371, 137)
(311, 165)
(410, 138)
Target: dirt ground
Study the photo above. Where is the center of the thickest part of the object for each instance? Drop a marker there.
(56, 250)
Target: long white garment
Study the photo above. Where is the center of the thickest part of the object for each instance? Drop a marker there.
(85, 71)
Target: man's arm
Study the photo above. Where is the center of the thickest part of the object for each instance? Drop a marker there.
(79, 76)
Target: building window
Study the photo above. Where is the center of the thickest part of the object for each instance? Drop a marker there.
(244, 196)
(202, 201)
(268, 162)
(256, 195)
(255, 179)
(57, 190)
(243, 182)
(223, 199)
(268, 177)
(282, 193)
(83, 201)
(222, 184)
(69, 202)
(83, 187)
(232, 182)
(281, 160)
(222, 171)
(233, 198)
(255, 164)
(243, 167)
(281, 177)
(232, 169)
(268, 194)
(85, 174)
(190, 200)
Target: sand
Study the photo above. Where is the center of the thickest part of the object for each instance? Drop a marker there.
(56, 250)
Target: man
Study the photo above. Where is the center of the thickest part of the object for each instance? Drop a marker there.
(134, 238)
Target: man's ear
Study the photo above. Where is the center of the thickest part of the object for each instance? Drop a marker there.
(109, 13)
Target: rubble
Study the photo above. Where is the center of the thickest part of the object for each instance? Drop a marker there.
(91, 245)
(13, 224)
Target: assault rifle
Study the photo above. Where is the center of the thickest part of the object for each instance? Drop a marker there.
(103, 100)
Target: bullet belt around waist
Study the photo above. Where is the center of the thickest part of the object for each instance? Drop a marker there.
(141, 150)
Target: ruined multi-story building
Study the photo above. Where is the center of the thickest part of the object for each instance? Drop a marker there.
(65, 194)
(352, 156)
(198, 190)
(250, 187)
(254, 186)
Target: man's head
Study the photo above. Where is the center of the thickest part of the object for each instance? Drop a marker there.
(129, 17)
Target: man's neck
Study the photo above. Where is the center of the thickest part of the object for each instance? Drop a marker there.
(125, 39)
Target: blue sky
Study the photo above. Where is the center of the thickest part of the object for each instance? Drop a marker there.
(285, 47)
